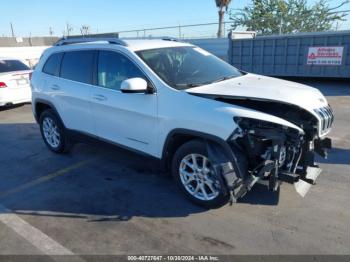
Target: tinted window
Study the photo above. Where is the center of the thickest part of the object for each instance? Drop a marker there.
(52, 65)
(12, 65)
(114, 68)
(78, 66)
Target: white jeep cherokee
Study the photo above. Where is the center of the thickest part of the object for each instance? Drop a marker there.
(219, 130)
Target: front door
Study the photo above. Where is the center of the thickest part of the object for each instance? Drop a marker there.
(128, 119)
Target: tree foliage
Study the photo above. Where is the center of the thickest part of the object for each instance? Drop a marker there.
(288, 16)
(222, 4)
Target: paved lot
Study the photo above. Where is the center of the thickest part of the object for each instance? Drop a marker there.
(103, 200)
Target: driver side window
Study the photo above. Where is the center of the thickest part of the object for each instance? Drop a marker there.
(114, 68)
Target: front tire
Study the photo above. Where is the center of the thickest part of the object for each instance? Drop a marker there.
(53, 132)
(194, 174)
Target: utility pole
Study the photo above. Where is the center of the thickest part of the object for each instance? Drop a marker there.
(50, 31)
(179, 31)
(85, 30)
(12, 31)
(69, 28)
(30, 39)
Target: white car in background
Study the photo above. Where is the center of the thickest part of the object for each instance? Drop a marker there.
(14, 82)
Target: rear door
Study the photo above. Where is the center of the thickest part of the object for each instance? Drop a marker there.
(127, 119)
(71, 91)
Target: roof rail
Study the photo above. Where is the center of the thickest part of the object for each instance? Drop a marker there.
(86, 39)
(171, 39)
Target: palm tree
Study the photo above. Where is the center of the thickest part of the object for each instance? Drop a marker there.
(222, 5)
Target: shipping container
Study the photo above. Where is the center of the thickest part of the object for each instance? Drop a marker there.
(325, 54)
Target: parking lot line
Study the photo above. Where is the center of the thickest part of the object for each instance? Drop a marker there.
(43, 179)
(33, 235)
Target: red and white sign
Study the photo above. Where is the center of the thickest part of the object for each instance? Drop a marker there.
(325, 55)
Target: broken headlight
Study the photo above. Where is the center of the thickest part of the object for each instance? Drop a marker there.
(248, 123)
(262, 140)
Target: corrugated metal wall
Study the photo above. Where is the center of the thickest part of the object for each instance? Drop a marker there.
(287, 55)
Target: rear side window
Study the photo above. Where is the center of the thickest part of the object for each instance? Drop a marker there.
(52, 65)
(78, 66)
(12, 65)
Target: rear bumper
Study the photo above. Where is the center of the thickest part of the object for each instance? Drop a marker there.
(14, 102)
(10, 96)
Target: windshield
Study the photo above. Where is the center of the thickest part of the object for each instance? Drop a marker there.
(11, 66)
(186, 67)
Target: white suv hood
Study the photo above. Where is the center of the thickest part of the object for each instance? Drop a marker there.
(262, 87)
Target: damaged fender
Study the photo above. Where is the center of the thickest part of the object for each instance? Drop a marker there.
(231, 170)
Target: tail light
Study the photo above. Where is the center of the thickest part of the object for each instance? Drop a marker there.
(2, 85)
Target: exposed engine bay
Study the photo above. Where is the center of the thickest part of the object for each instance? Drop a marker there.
(270, 153)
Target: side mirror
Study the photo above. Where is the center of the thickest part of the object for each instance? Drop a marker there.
(134, 85)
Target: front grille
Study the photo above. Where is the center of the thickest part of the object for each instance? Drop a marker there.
(327, 118)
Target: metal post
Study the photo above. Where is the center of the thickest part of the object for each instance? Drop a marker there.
(30, 39)
(12, 31)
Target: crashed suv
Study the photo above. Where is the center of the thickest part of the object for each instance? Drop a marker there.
(218, 130)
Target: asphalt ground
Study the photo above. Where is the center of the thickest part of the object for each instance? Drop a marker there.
(103, 200)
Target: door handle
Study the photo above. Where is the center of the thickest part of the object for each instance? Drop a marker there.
(55, 87)
(100, 97)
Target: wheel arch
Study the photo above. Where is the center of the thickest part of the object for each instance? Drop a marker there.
(178, 137)
(40, 105)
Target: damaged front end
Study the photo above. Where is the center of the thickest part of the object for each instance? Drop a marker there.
(269, 154)
(280, 125)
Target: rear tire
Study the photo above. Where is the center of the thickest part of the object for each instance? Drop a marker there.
(193, 173)
(53, 132)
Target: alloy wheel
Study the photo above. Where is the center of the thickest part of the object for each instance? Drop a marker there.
(51, 132)
(197, 177)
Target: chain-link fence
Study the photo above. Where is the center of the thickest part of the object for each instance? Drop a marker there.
(203, 30)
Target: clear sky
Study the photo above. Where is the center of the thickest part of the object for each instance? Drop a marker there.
(36, 16)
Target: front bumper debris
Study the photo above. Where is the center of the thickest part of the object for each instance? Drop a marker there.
(303, 185)
(302, 174)
(321, 146)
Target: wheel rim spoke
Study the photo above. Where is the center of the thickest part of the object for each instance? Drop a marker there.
(189, 177)
(204, 192)
(189, 164)
(195, 192)
(210, 185)
(194, 161)
(204, 164)
(55, 140)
